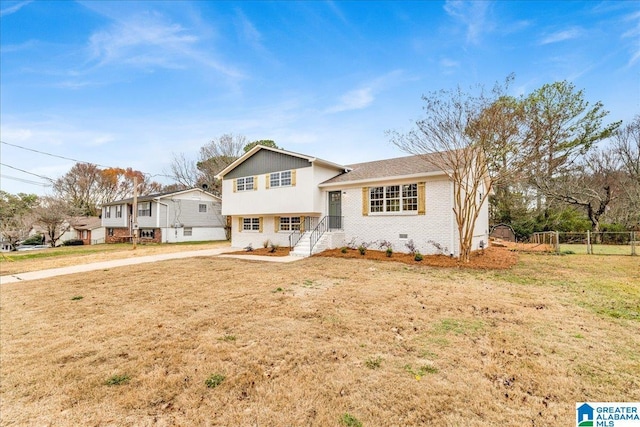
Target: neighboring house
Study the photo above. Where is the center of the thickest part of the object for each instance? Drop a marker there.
(179, 216)
(292, 199)
(6, 246)
(89, 230)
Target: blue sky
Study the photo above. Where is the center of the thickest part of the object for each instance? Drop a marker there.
(128, 84)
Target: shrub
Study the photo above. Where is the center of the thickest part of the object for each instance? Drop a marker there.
(343, 249)
(73, 242)
(418, 256)
(266, 244)
(362, 249)
(389, 252)
(273, 248)
(37, 239)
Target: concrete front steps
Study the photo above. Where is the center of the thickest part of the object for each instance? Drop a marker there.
(302, 248)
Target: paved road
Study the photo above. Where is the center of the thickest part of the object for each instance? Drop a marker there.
(61, 271)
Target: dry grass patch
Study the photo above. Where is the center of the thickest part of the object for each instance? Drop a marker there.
(323, 342)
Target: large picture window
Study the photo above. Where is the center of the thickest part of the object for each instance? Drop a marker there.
(280, 179)
(251, 224)
(289, 223)
(245, 184)
(394, 198)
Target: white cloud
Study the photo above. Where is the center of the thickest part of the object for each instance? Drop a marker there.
(356, 99)
(559, 36)
(473, 15)
(148, 40)
(15, 6)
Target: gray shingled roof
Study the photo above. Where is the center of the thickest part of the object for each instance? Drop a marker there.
(398, 167)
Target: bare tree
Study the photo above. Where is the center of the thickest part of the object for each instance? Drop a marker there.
(217, 155)
(591, 185)
(469, 139)
(184, 171)
(54, 216)
(626, 144)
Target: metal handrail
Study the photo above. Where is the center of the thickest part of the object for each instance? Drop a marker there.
(326, 224)
(295, 237)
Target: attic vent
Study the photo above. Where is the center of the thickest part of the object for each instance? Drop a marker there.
(404, 236)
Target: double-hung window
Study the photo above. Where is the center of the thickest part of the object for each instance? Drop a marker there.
(144, 209)
(118, 211)
(394, 198)
(244, 184)
(251, 224)
(107, 212)
(202, 207)
(280, 179)
(289, 223)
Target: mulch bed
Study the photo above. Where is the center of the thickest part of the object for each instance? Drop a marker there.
(489, 259)
(492, 258)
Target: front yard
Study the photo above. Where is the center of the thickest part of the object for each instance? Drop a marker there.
(322, 342)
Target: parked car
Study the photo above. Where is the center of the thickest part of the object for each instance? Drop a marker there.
(31, 247)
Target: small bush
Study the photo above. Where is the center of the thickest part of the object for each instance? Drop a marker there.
(418, 256)
(350, 421)
(73, 242)
(389, 252)
(118, 380)
(266, 244)
(37, 239)
(214, 380)
(343, 249)
(362, 249)
(412, 247)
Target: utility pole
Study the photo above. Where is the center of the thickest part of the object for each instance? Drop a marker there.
(135, 211)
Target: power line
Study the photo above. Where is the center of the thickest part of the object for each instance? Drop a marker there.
(52, 155)
(27, 172)
(26, 181)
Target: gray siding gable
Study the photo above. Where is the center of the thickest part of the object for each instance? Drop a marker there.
(266, 161)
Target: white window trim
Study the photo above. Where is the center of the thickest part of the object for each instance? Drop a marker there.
(384, 199)
(290, 224)
(243, 181)
(274, 183)
(251, 222)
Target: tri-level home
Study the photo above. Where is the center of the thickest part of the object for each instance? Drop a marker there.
(310, 204)
(179, 216)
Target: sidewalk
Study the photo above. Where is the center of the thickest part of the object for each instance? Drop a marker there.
(82, 268)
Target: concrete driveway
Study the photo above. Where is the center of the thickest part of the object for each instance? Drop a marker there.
(103, 265)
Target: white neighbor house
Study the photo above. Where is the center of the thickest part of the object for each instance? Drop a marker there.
(292, 199)
(180, 216)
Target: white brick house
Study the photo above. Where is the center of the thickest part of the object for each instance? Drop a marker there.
(292, 199)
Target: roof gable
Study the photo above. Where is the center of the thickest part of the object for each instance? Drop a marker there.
(273, 153)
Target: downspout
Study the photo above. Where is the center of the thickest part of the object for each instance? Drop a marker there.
(166, 233)
(454, 224)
